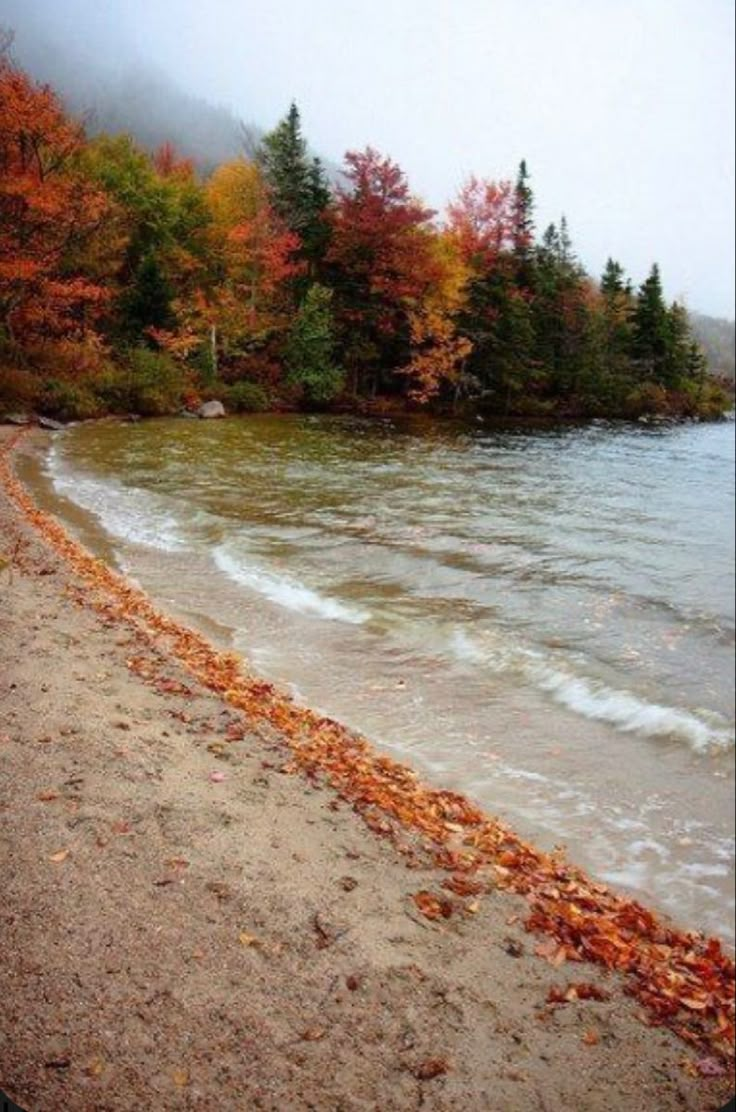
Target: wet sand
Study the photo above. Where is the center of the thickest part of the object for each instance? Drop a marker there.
(185, 924)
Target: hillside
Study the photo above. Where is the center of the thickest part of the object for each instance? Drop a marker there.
(718, 340)
(121, 92)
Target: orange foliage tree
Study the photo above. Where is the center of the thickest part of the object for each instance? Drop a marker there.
(438, 351)
(49, 213)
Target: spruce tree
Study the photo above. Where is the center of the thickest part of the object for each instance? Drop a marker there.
(146, 302)
(612, 279)
(679, 342)
(651, 330)
(310, 347)
(297, 184)
(523, 219)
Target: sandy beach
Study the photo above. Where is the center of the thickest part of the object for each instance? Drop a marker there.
(203, 909)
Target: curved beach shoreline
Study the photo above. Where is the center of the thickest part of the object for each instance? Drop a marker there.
(214, 898)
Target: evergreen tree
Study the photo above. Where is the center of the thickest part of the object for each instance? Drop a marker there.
(146, 303)
(651, 330)
(679, 342)
(298, 186)
(310, 348)
(612, 279)
(523, 219)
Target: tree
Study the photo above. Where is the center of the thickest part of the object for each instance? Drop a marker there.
(381, 265)
(481, 221)
(310, 347)
(523, 215)
(651, 329)
(612, 281)
(438, 351)
(50, 214)
(298, 187)
(163, 221)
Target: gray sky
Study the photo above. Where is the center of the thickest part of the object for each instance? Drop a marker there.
(624, 109)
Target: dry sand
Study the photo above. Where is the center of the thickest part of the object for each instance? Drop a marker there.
(170, 941)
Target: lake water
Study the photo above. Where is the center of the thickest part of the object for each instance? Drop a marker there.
(543, 620)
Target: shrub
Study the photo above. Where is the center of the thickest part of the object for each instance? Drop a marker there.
(148, 383)
(69, 401)
(245, 397)
(646, 400)
(18, 390)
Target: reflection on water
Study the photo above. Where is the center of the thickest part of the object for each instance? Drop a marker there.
(543, 619)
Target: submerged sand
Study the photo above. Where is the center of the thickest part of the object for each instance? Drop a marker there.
(185, 924)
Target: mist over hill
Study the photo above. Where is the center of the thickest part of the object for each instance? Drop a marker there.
(120, 91)
(717, 337)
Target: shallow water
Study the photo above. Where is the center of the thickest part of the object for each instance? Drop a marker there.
(543, 620)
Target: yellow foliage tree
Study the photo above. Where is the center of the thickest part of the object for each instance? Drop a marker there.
(438, 353)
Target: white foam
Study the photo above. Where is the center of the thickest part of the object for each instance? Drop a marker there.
(628, 712)
(131, 515)
(286, 592)
(592, 699)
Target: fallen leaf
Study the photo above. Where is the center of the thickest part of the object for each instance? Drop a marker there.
(313, 1034)
(431, 1068)
(246, 939)
(591, 1037)
(47, 796)
(57, 858)
(95, 1067)
(180, 1078)
(710, 1067)
(432, 907)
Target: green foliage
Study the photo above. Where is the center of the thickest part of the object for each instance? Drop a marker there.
(147, 382)
(70, 401)
(298, 185)
(245, 397)
(146, 301)
(310, 348)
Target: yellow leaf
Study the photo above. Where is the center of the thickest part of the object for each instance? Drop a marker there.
(60, 856)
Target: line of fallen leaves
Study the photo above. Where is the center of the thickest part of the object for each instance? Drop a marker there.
(684, 980)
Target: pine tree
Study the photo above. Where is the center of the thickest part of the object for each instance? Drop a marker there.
(612, 279)
(523, 219)
(310, 348)
(298, 186)
(679, 343)
(147, 301)
(651, 330)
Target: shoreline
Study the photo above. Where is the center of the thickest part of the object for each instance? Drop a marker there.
(456, 875)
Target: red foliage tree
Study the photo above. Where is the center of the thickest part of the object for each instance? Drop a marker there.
(481, 221)
(381, 253)
(48, 215)
(169, 164)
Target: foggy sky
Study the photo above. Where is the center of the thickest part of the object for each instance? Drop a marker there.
(623, 109)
